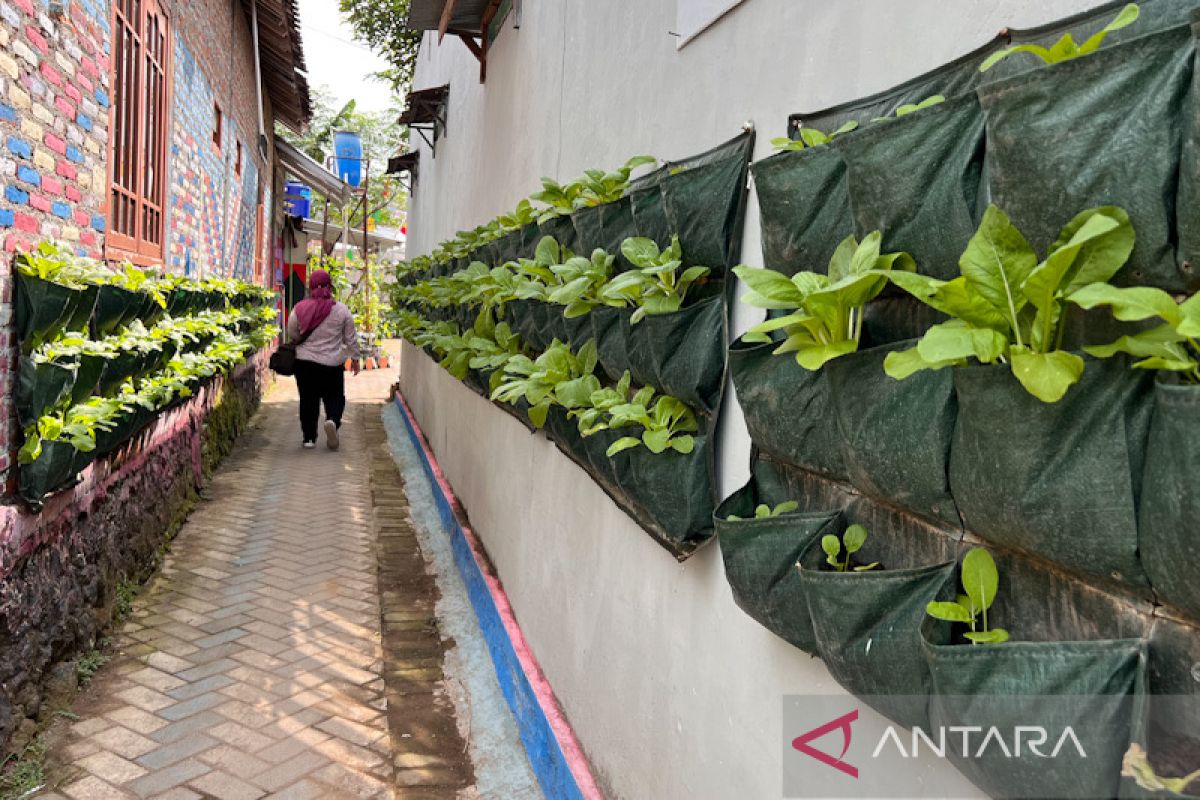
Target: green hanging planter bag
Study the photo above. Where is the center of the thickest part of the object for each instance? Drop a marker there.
(87, 377)
(804, 206)
(704, 197)
(867, 625)
(611, 345)
(896, 435)
(788, 409)
(680, 354)
(1058, 480)
(1170, 505)
(671, 494)
(81, 309)
(1096, 688)
(51, 471)
(649, 211)
(761, 558)
(917, 179)
(116, 306)
(563, 231)
(124, 364)
(42, 310)
(1103, 129)
(41, 387)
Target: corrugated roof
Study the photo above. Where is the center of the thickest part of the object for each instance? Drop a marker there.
(467, 17)
(281, 52)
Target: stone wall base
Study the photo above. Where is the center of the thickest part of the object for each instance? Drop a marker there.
(60, 568)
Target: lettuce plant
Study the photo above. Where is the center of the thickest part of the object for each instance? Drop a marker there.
(668, 424)
(594, 188)
(811, 137)
(826, 310)
(556, 377)
(764, 511)
(850, 543)
(909, 108)
(980, 581)
(1173, 346)
(581, 282)
(594, 417)
(1066, 48)
(656, 286)
(524, 214)
(1007, 308)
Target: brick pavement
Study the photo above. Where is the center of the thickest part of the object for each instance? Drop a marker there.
(253, 665)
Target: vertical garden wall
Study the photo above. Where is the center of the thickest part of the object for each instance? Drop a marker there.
(1093, 605)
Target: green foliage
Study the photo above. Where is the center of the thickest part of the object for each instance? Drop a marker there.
(827, 310)
(909, 108)
(668, 424)
(126, 592)
(1173, 346)
(556, 377)
(851, 542)
(383, 26)
(980, 581)
(811, 137)
(24, 772)
(1007, 308)
(1066, 48)
(764, 511)
(88, 665)
(595, 187)
(656, 286)
(581, 282)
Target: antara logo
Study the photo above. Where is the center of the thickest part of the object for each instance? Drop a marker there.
(974, 742)
(842, 723)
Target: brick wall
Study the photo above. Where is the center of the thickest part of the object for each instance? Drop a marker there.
(213, 212)
(53, 147)
(54, 109)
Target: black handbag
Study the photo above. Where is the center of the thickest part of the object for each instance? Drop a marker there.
(283, 360)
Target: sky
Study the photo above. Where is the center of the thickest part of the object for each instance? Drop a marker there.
(336, 60)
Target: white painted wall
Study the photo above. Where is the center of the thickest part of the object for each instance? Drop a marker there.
(673, 691)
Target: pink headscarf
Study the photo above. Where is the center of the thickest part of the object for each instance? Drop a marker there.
(312, 311)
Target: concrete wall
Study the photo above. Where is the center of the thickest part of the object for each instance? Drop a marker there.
(673, 691)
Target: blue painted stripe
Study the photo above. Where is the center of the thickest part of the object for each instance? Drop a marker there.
(541, 745)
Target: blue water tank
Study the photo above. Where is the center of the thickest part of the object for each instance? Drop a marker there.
(297, 199)
(348, 150)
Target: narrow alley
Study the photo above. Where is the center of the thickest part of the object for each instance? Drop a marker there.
(253, 664)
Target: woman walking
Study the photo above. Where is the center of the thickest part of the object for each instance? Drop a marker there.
(324, 331)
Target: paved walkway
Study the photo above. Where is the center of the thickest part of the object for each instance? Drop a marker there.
(253, 665)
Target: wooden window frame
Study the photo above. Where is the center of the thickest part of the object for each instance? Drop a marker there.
(138, 186)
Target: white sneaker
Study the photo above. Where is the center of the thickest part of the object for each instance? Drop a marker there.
(331, 435)
(309, 445)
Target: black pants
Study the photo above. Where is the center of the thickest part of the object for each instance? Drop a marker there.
(320, 384)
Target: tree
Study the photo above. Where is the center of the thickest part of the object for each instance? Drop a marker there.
(383, 26)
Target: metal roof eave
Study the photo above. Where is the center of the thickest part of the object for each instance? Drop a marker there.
(301, 166)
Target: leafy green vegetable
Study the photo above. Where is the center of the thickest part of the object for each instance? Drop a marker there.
(764, 511)
(1008, 308)
(667, 425)
(1173, 346)
(980, 581)
(595, 188)
(827, 310)
(811, 137)
(909, 108)
(656, 286)
(556, 377)
(851, 542)
(1066, 48)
